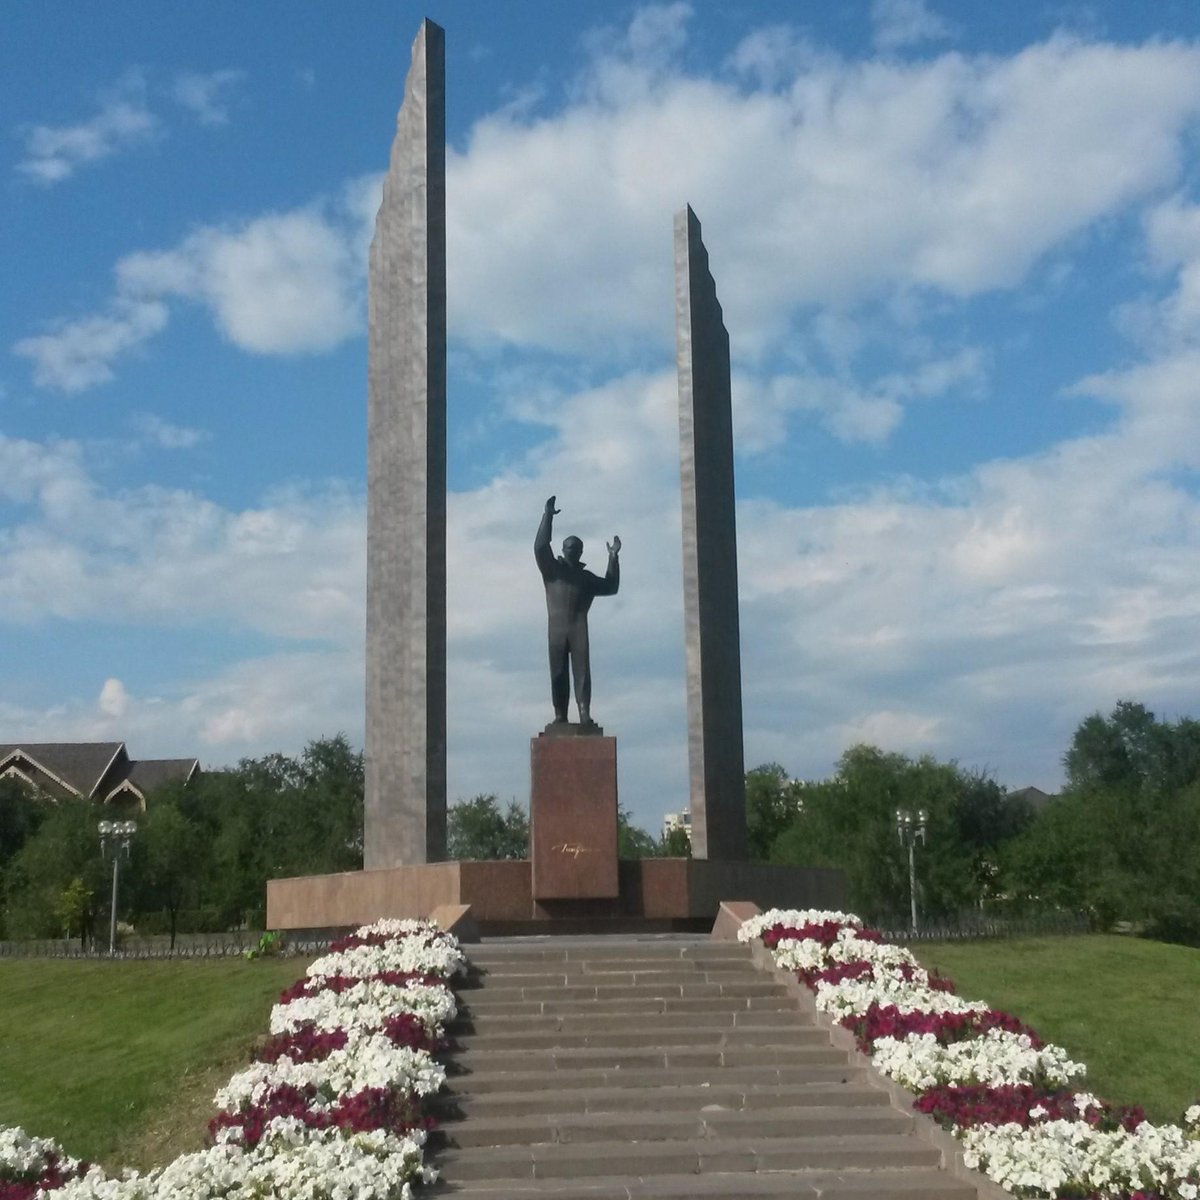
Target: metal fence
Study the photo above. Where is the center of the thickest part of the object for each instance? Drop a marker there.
(975, 926)
(233, 944)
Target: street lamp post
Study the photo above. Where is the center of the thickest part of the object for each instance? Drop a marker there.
(115, 837)
(910, 830)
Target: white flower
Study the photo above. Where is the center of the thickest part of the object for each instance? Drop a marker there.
(25, 1157)
(852, 997)
(793, 918)
(1057, 1154)
(918, 1061)
(368, 1060)
(290, 1163)
(366, 1005)
(810, 955)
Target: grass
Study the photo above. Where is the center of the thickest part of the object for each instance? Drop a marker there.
(119, 1061)
(1125, 1007)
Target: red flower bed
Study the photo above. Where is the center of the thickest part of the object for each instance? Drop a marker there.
(825, 932)
(343, 983)
(1011, 1104)
(372, 1108)
(53, 1176)
(351, 940)
(309, 1044)
(886, 1020)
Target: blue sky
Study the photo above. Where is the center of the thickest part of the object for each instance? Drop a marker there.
(958, 250)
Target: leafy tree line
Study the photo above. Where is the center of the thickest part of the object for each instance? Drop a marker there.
(201, 856)
(849, 821)
(1121, 842)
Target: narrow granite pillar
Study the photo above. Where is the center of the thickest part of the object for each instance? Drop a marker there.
(405, 802)
(710, 588)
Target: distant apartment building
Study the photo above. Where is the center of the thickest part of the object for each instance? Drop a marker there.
(680, 820)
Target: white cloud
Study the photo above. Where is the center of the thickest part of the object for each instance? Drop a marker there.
(165, 436)
(851, 412)
(947, 177)
(900, 23)
(114, 699)
(281, 284)
(954, 175)
(79, 354)
(206, 95)
(291, 567)
(55, 152)
(285, 283)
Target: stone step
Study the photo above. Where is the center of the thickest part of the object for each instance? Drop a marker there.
(797, 1185)
(640, 1058)
(597, 1020)
(661, 1069)
(680, 950)
(739, 989)
(709, 1121)
(559, 977)
(572, 1160)
(727, 1095)
(480, 1002)
(479, 1082)
(520, 1038)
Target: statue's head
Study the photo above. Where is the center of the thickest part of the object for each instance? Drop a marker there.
(573, 549)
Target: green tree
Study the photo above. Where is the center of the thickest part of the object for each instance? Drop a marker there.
(21, 813)
(73, 909)
(849, 822)
(772, 803)
(65, 847)
(170, 856)
(1124, 837)
(633, 841)
(675, 843)
(479, 829)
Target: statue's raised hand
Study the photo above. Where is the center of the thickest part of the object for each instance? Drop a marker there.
(550, 507)
(614, 547)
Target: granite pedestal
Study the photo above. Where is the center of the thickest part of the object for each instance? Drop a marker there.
(573, 814)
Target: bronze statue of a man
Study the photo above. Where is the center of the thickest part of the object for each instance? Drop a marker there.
(569, 594)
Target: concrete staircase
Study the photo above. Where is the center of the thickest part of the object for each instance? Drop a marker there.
(660, 1067)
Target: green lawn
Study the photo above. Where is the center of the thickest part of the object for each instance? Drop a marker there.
(1129, 1009)
(119, 1060)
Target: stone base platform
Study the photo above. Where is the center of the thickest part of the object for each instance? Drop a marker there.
(656, 895)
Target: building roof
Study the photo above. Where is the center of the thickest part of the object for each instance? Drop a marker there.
(79, 767)
(1033, 796)
(91, 770)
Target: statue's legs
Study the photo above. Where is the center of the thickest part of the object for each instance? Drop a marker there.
(559, 677)
(581, 668)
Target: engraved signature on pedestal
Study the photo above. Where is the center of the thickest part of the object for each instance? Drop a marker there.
(575, 849)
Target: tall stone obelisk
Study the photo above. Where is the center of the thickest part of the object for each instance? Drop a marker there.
(405, 762)
(710, 589)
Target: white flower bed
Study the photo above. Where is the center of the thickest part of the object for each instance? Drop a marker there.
(1050, 1158)
(295, 1158)
(793, 918)
(919, 1062)
(1047, 1158)
(412, 955)
(291, 1163)
(368, 1060)
(26, 1159)
(366, 1005)
(852, 997)
(810, 955)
